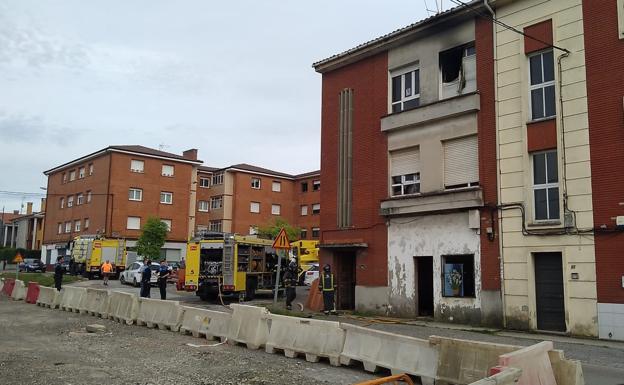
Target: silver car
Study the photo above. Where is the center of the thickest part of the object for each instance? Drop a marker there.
(132, 275)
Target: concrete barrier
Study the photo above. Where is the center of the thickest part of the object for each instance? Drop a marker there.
(507, 376)
(19, 290)
(567, 372)
(32, 293)
(534, 362)
(72, 298)
(205, 323)
(1, 284)
(314, 338)
(96, 303)
(48, 297)
(249, 326)
(156, 312)
(400, 354)
(7, 288)
(462, 362)
(123, 307)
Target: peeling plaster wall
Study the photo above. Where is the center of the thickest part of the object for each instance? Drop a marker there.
(435, 236)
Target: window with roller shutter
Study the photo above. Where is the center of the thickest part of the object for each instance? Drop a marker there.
(405, 171)
(461, 163)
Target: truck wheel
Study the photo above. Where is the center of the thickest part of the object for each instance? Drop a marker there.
(250, 290)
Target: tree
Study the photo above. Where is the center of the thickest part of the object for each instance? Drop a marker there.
(271, 230)
(152, 238)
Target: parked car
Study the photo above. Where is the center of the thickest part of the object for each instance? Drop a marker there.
(311, 274)
(132, 274)
(32, 265)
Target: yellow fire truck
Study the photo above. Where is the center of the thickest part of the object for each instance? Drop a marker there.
(306, 253)
(230, 264)
(89, 252)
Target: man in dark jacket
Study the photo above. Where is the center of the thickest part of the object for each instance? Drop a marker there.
(146, 277)
(327, 286)
(290, 283)
(163, 276)
(58, 273)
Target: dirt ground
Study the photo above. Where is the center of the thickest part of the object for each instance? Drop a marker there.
(44, 346)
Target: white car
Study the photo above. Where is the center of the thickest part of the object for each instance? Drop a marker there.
(132, 275)
(311, 274)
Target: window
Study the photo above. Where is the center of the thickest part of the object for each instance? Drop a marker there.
(304, 186)
(136, 194)
(204, 182)
(60, 228)
(77, 225)
(202, 205)
(253, 230)
(316, 208)
(316, 232)
(166, 197)
(64, 178)
(254, 207)
(461, 162)
(316, 185)
(70, 201)
(79, 199)
(303, 234)
(201, 229)
(133, 223)
(542, 85)
(72, 175)
(545, 186)
(405, 89)
(275, 209)
(458, 276)
(217, 179)
(304, 210)
(167, 170)
(215, 226)
(255, 183)
(89, 196)
(458, 68)
(90, 169)
(167, 222)
(216, 202)
(81, 172)
(67, 227)
(405, 171)
(276, 186)
(86, 223)
(137, 165)
(62, 202)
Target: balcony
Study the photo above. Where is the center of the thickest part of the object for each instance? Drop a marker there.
(441, 201)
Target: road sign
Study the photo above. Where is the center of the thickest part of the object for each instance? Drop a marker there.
(281, 241)
(18, 258)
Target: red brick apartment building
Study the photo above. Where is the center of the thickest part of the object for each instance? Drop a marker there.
(408, 160)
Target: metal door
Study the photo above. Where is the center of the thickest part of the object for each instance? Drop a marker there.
(344, 274)
(549, 295)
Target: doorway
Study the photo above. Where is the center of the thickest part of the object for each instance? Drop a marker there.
(345, 280)
(549, 295)
(424, 285)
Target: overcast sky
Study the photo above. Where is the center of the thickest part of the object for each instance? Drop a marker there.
(231, 78)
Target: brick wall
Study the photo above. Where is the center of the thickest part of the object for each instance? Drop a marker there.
(308, 199)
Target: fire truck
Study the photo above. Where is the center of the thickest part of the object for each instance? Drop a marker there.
(89, 252)
(228, 264)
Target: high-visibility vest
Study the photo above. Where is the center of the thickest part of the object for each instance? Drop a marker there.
(107, 268)
(327, 282)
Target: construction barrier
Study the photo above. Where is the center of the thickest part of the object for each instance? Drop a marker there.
(249, 326)
(314, 338)
(19, 290)
(315, 298)
(123, 307)
(159, 313)
(96, 303)
(48, 297)
(398, 353)
(534, 362)
(7, 289)
(567, 372)
(506, 376)
(462, 362)
(204, 323)
(72, 298)
(32, 293)
(1, 284)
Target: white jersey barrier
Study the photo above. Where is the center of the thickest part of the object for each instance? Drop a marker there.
(19, 290)
(509, 376)
(48, 297)
(314, 338)
(399, 353)
(159, 313)
(249, 326)
(123, 307)
(204, 323)
(96, 302)
(72, 298)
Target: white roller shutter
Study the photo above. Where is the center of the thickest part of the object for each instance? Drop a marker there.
(404, 162)
(461, 162)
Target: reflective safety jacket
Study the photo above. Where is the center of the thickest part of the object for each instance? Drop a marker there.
(327, 282)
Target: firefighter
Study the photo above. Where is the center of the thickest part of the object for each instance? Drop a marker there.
(327, 286)
(58, 273)
(290, 283)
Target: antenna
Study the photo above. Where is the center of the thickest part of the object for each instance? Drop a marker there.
(162, 146)
(430, 11)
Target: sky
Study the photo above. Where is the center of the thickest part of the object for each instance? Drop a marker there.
(230, 78)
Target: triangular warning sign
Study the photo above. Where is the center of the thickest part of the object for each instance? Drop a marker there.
(18, 258)
(281, 241)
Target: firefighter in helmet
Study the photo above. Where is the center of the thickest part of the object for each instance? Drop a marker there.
(327, 287)
(290, 283)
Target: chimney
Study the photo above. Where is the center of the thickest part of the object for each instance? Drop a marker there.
(29, 208)
(190, 154)
(43, 205)
(16, 212)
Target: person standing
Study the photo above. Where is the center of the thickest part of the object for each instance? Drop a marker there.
(163, 275)
(4, 264)
(107, 269)
(58, 273)
(327, 287)
(146, 277)
(290, 283)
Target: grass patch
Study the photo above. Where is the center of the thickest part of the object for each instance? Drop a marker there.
(43, 279)
(280, 310)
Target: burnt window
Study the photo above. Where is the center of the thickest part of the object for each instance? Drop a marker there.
(458, 70)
